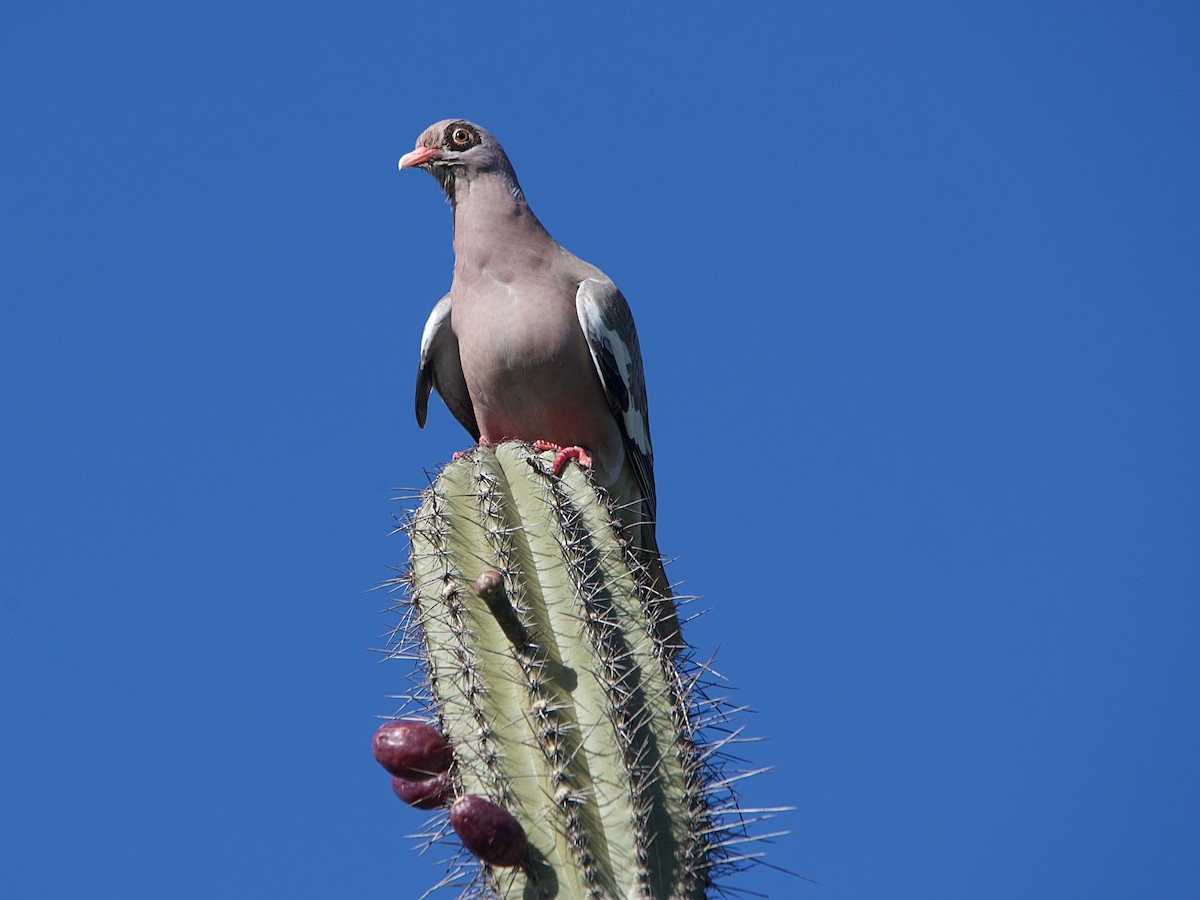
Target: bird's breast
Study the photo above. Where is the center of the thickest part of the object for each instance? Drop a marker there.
(528, 368)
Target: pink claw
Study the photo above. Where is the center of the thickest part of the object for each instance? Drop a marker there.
(484, 441)
(578, 454)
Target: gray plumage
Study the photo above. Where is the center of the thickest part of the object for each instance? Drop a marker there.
(532, 343)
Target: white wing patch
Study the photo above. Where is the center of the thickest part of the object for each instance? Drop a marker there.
(433, 324)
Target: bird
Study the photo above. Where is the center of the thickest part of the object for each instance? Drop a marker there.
(534, 344)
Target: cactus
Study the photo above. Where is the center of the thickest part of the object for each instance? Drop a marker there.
(540, 640)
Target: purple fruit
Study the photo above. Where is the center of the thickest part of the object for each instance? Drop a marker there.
(411, 750)
(428, 793)
(489, 831)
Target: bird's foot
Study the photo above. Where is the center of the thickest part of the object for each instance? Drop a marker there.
(578, 454)
(484, 441)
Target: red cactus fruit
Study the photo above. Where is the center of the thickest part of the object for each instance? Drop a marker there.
(489, 831)
(411, 750)
(427, 793)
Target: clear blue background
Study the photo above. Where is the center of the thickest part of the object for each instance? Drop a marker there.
(917, 288)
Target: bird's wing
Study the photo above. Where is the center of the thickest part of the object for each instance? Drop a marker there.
(441, 369)
(613, 342)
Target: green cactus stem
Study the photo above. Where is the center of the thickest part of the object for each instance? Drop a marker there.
(541, 643)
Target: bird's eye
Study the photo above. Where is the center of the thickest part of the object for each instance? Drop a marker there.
(460, 137)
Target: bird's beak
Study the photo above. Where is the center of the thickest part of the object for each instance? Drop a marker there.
(418, 157)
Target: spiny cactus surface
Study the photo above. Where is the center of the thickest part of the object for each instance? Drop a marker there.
(539, 636)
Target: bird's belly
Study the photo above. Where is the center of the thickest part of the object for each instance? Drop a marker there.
(521, 392)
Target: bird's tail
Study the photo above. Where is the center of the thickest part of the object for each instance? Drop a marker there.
(639, 527)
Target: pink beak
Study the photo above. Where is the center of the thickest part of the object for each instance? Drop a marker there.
(418, 157)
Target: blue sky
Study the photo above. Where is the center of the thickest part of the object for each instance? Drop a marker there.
(917, 291)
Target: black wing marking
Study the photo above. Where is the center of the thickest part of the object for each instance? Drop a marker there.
(613, 341)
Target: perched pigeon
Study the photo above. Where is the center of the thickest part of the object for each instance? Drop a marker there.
(532, 343)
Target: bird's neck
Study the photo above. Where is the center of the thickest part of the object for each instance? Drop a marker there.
(490, 210)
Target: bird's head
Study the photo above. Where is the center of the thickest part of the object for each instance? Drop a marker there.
(457, 150)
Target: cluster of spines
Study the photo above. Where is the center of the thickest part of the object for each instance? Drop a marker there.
(715, 827)
(447, 617)
(632, 710)
(556, 732)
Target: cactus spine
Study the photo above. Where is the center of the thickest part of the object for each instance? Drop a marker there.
(559, 699)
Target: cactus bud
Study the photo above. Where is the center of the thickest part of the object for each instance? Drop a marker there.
(488, 583)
